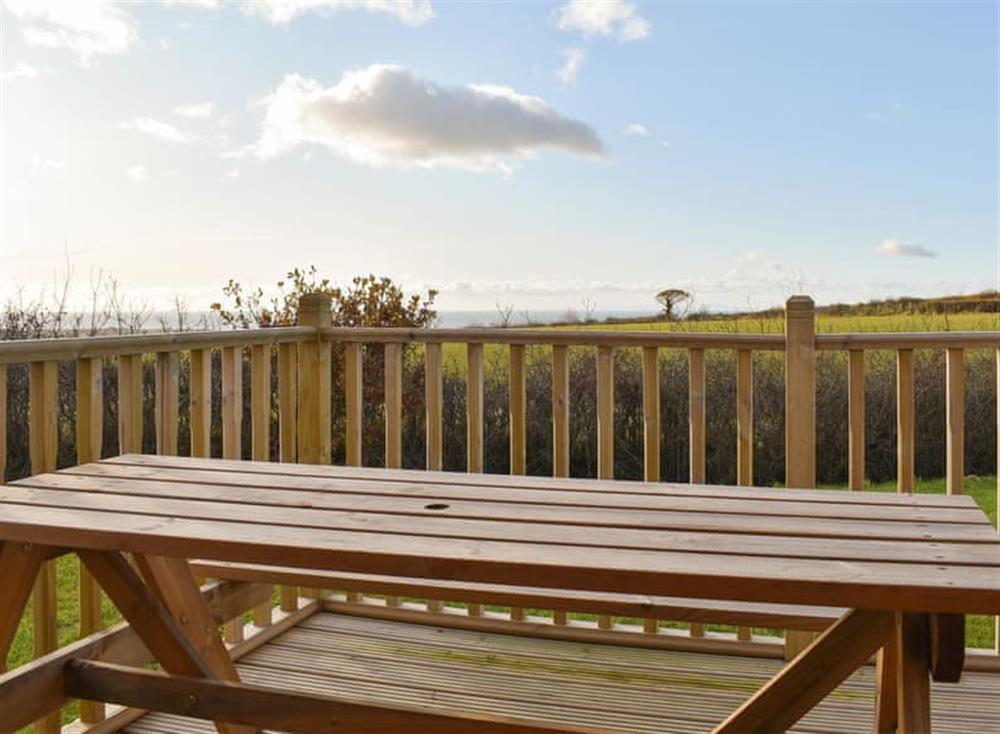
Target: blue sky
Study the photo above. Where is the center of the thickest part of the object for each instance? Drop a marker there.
(743, 151)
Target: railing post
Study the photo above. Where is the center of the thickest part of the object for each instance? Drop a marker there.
(800, 392)
(89, 435)
(43, 444)
(800, 415)
(314, 388)
(314, 382)
(287, 439)
(955, 398)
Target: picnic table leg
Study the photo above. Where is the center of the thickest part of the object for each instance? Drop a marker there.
(182, 644)
(913, 674)
(811, 676)
(886, 697)
(19, 566)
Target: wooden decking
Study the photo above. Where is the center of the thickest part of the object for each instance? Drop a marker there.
(629, 689)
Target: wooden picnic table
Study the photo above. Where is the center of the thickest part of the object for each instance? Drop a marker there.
(906, 567)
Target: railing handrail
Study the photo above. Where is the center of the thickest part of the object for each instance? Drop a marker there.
(66, 348)
(59, 348)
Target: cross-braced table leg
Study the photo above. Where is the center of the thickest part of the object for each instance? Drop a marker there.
(169, 615)
(19, 566)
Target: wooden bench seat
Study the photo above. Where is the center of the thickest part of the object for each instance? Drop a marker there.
(698, 611)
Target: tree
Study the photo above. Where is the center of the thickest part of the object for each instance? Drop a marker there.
(367, 301)
(670, 299)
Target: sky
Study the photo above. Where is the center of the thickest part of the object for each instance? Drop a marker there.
(533, 154)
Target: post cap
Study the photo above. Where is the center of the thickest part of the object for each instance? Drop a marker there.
(800, 304)
(314, 309)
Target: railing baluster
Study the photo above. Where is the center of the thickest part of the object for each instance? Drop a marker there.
(744, 436)
(800, 416)
(89, 439)
(560, 411)
(696, 414)
(856, 419)
(605, 413)
(166, 402)
(996, 626)
(904, 420)
(393, 406)
(651, 413)
(232, 437)
(518, 426)
(518, 411)
(651, 434)
(393, 417)
(474, 433)
(260, 433)
(955, 398)
(434, 399)
(200, 402)
(353, 401)
(474, 406)
(130, 403)
(605, 430)
(43, 445)
(287, 444)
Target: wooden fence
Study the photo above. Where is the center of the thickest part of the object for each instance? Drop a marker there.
(302, 401)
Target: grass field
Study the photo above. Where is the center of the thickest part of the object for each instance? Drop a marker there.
(979, 630)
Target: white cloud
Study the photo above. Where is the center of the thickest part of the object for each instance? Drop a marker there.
(37, 163)
(88, 28)
(635, 130)
(203, 4)
(389, 116)
(603, 18)
(233, 173)
(751, 256)
(574, 60)
(283, 12)
(896, 248)
(137, 172)
(23, 70)
(200, 111)
(157, 129)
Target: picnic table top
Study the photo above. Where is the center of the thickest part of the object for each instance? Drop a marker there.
(923, 553)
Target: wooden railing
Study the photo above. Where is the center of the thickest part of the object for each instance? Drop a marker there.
(301, 400)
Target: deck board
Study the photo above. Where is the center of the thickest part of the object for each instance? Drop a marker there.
(630, 689)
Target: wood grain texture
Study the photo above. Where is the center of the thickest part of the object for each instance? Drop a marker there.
(913, 673)
(800, 392)
(744, 417)
(605, 413)
(518, 410)
(130, 403)
(474, 407)
(434, 399)
(166, 401)
(886, 680)
(560, 411)
(3, 423)
(232, 403)
(314, 399)
(696, 414)
(393, 406)
(260, 402)
(353, 402)
(19, 567)
(201, 402)
(905, 420)
(650, 414)
(811, 676)
(856, 419)
(955, 409)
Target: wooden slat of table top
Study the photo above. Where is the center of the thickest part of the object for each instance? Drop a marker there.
(561, 527)
(439, 524)
(876, 584)
(503, 481)
(537, 512)
(777, 504)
